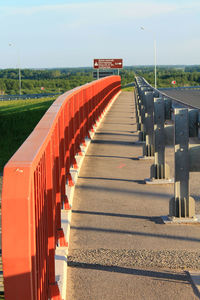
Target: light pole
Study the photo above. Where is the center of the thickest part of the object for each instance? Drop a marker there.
(19, 71)
(155, 58)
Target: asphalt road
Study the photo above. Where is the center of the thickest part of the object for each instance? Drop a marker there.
(191, 97)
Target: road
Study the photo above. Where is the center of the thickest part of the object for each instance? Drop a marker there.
(191, 97)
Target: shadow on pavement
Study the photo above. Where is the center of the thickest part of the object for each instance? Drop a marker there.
(184, 278)
(156, 220)
(136, 233)
(113, 179)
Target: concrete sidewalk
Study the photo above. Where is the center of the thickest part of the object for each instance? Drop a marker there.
(119, 248)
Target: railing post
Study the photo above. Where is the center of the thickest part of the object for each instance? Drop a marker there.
(142, 135)
(193, 122)
(148, 148)
(137, 110)
(53, 287)
(181, 205)
(159, 170)
(141, 112)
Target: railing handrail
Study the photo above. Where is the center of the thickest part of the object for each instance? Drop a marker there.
(33, 191)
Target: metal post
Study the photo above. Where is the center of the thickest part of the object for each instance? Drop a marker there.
(137, 112)
(159, 170)
(148, 149)
(142, 134)
(155, 62)
(20, 85)
(168, 108)
(193, 122)
(181, 206)
(142, 110)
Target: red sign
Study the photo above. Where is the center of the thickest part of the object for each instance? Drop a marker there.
(174, 82)
(108, 63)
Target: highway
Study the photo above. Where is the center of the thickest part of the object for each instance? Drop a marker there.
(191, 97)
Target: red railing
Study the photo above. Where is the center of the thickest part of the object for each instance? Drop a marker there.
(34, 190)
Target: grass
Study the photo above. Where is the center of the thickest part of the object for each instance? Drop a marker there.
(17, 120)
(128, 89)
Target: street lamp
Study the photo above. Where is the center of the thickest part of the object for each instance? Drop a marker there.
(155, 60)
(19, 71)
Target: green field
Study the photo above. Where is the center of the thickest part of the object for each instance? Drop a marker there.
(128, 89)
(17, 120)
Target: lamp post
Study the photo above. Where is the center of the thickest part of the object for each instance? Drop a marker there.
(155, 59)
(19, 71)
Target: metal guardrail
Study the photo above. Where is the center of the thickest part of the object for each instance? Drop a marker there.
(26, 96)
(197, 87)
(153, 109)
(33, 194)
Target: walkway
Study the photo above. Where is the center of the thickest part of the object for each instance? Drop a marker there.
(119, 248)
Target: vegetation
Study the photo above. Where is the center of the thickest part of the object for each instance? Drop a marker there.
(61, 80)
(128, 89)
(41, 81)
(17, 120)
(184, 76)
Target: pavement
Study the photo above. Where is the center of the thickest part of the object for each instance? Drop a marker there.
(119, 248)
(191, 97)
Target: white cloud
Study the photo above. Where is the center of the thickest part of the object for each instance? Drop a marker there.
(125, 9)
(77, 14)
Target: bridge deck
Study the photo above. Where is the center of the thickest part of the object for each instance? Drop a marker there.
(119, 248)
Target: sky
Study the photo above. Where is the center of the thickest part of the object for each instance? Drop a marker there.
(71, 33)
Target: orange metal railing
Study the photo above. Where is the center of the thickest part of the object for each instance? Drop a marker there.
(34, 190)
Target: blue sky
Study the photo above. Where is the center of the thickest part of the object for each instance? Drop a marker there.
(42, 34)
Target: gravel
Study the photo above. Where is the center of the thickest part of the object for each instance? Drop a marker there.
(170, 259)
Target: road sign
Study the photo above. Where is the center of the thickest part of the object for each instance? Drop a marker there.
(173, 82)
(108, 63)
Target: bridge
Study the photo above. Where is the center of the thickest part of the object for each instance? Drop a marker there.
(96, 204)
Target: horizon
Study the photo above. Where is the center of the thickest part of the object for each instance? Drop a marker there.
(90, 67)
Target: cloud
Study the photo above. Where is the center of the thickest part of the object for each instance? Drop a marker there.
(125, 9)
(87, 12)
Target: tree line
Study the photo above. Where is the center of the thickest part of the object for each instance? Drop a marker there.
(64, 79)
